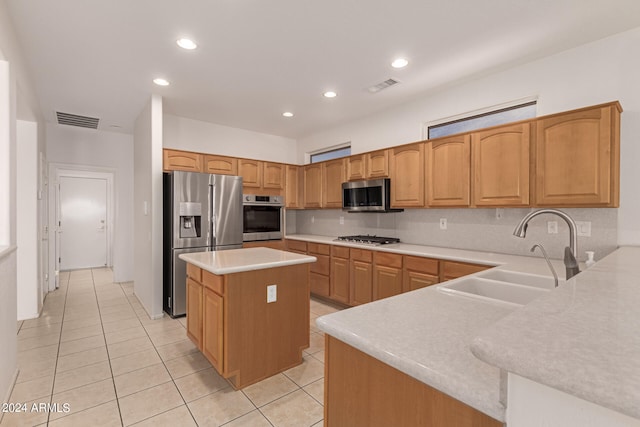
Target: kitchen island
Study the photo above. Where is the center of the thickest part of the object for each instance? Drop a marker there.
(248, 310)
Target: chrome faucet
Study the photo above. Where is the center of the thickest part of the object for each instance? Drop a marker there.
(571, 252)
(546, 258)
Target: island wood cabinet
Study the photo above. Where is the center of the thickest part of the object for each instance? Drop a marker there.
(500, 166)
(177, 160)
(220, 165)
(361, 276)
(363, 391)
(372, 165)
(447, 171)
(312, 186)
(340, 274)
(387, 275)
(578, 158)
(406, 170)
(222, 308)
(333, 175)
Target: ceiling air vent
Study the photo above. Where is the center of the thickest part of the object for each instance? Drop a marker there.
(380, 86)
(79, 121)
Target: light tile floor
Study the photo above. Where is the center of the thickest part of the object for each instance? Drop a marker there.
(96, 349)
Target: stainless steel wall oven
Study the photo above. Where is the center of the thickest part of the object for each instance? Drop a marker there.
(262, 217)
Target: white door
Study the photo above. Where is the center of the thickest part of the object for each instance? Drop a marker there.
(83, 222)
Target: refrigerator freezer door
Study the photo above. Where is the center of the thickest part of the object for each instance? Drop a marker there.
(226, 211)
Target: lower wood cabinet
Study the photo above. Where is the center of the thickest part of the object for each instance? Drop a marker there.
(319, 272)
(452, 269)
(273, 244)
(387, 275)
(212, 328)
(339, 288)
(419, 272)
(361, 276)
(363, 391)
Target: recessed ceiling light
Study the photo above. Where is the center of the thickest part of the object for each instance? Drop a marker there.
(330, 94)
(161, 82)
(187, 44)
(399, 63)
(287, 114)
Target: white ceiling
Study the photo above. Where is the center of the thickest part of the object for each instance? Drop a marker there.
(259, 58)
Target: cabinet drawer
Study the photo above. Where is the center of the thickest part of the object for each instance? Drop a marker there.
(318, 248)
(194, 272)
(422, 265)
(297, 245)
(319, 284)
(321, 266)
(361, 255)
(213, 282)
(453, 270)
(340, 252)
(387, 259)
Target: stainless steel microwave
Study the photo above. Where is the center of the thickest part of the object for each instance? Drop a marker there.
(367, 196)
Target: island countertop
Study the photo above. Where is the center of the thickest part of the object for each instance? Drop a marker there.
(241, 260)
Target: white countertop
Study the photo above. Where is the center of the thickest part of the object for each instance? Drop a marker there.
(240, 260)
(582, 338)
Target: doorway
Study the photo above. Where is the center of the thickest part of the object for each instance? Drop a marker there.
(83, 218)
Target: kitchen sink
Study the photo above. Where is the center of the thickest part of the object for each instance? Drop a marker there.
(488, 289)
(535, 280)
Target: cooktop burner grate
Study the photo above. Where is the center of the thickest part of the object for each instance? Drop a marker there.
(376, 240)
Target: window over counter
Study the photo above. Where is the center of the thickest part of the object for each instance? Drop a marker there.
(331, 153)
(480, 119)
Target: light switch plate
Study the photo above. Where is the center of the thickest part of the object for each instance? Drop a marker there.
(272, 293)
(584, 228)
(443, 223)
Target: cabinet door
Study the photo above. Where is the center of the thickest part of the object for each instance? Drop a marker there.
(361, 282)
(340, 280)
(452, 269)
(319, 284)
(333, 173)
(194, 311)
(447, 166)
(312, 190)
(292, 187)
(387, 282)
(500, 166)
(413, 280)
(577, 158)
(221, 165)
(251, 172)
(273, 175)
(213, 329)
(407, 176)
(175, 160)
(356, 168)
(378, 164)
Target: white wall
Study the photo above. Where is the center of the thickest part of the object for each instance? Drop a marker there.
(29, 291)
(87, 147)
(603, 71)
(203, 137)
(148, 207)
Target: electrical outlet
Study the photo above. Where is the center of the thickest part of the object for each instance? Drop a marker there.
(443, 223)
(313, 219)
(272, 293)
(341, 220)
(584, 228)
(552, 227)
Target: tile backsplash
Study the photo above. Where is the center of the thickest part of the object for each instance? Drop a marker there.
(476, 229)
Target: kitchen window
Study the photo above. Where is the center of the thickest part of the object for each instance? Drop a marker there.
(330, 154)
(482, 119)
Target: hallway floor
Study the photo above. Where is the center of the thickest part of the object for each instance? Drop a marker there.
(95, 349)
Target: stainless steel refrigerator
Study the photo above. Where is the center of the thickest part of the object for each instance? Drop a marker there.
(202, 212)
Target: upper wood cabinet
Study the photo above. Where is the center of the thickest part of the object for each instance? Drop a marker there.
(251, 173)
(176, 160)
(447, 171)
(273, 175)
(368, 166)
(220, 165)
(293, 187)
(312, 185)
(578, 158)
(500, 166)
(333, 175)
(406, 169)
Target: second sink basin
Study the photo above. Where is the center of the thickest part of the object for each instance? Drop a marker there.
(535, 280)
(483, 288)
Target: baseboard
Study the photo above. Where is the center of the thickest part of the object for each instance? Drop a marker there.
(30, 316)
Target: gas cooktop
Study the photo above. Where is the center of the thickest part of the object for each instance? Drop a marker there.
(373, 240)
